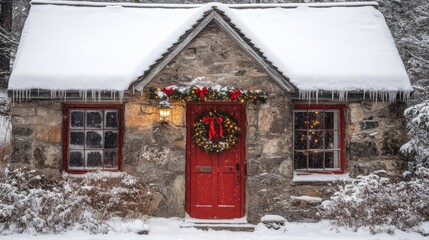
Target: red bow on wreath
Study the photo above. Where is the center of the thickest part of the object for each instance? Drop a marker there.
(168, 91)
(201, 92)
(211, 122)
(234, 95)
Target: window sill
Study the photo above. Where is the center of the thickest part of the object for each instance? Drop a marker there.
(315, 177)
(100, 174)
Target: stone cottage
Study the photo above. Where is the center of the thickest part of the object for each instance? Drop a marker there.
(228, 111)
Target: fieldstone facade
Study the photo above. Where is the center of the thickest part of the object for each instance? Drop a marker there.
(37, 134)
(157, 154)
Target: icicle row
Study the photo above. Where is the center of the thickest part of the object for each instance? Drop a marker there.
(384, 96)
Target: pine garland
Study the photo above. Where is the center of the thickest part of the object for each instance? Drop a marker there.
(203, 94)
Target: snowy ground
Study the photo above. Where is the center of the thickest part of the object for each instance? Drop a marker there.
(161, 228)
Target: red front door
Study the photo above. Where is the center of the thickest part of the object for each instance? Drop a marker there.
(215, 181)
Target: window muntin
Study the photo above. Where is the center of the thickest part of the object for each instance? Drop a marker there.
(93, 138)
(317, 139)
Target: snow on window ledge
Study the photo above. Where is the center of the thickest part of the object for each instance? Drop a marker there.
(319, 177)
(307, 199)
(99, 174)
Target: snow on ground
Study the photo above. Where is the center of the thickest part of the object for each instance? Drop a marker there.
(168, 229)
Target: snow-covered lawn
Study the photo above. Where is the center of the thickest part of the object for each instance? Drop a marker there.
(161, 228)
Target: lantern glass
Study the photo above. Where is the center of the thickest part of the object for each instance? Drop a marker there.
(164, 114)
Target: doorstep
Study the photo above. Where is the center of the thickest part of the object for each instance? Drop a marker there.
(235, 225)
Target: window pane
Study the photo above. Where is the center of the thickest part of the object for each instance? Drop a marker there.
(76, 159)
(76, 119)
(331, 120)
(110, 139)
(300, 120)
(300, 140)
(300, 160)
(332, 159)
(111, 119)
(94, 119)
(77, 139)
(110, 159)
(94, 139)
(94, 159)
(315, 159)
(315, 139)
(315, 120)
(331, 140)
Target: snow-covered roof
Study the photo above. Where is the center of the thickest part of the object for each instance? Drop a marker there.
(91, 46)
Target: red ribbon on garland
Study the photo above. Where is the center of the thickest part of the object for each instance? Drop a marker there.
(211, 122)
(234, 95)
(168, 91)
(201, 92)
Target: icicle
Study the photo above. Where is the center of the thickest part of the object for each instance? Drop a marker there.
(392, 96)
(121, 95)
(317, 96)
(13, 97)
(114, 95)
(332, 93)
(376, 96)
(341, 96)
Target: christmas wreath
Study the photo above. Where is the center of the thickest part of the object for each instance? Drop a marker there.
(215, 132)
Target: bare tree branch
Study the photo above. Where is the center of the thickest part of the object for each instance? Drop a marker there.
(419, 58)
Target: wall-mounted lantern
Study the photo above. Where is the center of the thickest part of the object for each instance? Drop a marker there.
(164, 112)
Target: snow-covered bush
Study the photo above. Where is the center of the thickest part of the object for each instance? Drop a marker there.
(34, 203)
(417, 148)
(379, 203)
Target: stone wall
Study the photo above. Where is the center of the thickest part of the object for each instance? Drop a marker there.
(37, 134)
(375, 133)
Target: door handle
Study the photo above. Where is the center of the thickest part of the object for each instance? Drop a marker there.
(237, 166)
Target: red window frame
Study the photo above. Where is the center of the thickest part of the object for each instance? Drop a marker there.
(66, 130)
(342, 127)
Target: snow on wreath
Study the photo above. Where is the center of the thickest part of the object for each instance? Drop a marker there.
(215, 131)
(203, 94)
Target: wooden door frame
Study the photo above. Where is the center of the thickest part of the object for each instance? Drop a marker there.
(241, 145)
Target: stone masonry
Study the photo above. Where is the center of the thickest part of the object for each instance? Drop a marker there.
(374, 133)
(37, 134)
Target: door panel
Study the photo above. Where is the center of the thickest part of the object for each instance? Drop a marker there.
(215, 181)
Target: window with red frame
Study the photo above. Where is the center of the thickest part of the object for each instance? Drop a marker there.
(94, 137)
(318, 138)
